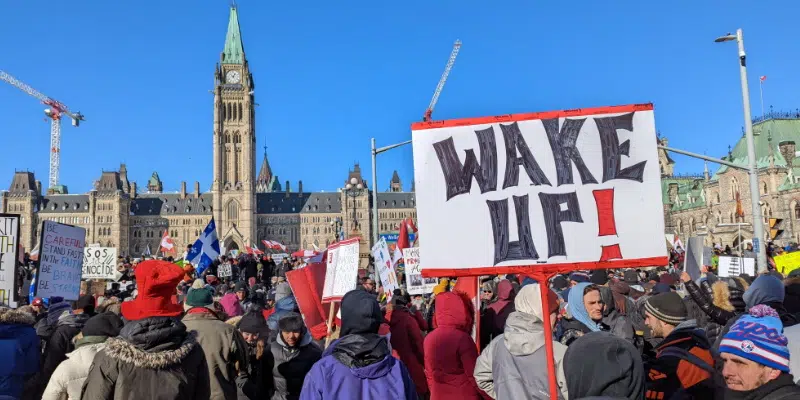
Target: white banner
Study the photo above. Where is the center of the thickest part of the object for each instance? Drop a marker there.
(579, 187)
(224, 271)
(384, 268)
(100, 263)
(278, 257)
(9, 253)
(735, 266)
(60, 260)
(416, 283)
(341, 274)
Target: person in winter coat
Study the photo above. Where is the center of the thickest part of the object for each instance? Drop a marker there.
(19, 352)
(450, 352)
(221, 343)
(493, 320)
(267, 270)
(720, 301)
(584, 313)
(617, 323)
(359, 365)
(69, 324)
(603, 365)
(154, 356)
(253, 380)
(230, 303)
(406, 339)
(285, 303)
(67, 380)
(242, 294)
(291, 356)
(514, 364)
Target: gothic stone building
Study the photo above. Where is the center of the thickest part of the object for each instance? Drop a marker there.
(705, 205)
(246, 207)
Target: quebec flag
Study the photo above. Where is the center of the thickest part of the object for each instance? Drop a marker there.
(205, 249)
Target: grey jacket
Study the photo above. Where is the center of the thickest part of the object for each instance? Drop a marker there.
(514, 364)
(290, 365)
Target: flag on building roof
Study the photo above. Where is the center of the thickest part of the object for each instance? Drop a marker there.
(167, 244)
(762, 78)
(205, 249)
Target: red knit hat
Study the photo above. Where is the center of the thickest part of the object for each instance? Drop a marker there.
(156, 282)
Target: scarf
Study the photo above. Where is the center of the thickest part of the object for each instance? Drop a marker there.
(576, 308)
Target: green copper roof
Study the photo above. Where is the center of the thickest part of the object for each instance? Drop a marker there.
(154, 180)
(233, 53)
(690, 193)
(779, 130)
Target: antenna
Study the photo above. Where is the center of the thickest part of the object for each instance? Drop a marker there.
(233, 3)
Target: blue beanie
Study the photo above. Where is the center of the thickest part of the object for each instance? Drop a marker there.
(579, 277)
(758, 336)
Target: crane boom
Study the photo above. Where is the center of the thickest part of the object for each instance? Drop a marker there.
(442, 80)
(56, 110)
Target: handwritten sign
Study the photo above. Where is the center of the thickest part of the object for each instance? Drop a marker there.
(99, 263)
(60, 260)
(383, 265)
(735, 266)
(416, 283)
(787, 262)
(224, 270)
(342, 270)
(9, 253)
(577, 187)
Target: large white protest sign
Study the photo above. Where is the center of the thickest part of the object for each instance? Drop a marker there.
(9, 253)
(735, 266)
(384, 268)
(415, 282)
(579, 187)
(342, 270)
(278, 257)
(99, 263)
(60, 260)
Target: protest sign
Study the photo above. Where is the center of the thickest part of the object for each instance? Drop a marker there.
(60, 260)
(224, 271)
(99, 263)
(383, 266)
(278, 257)
(342, 269)
(694, 256)
(735, 266)
(787, 262)
(578, 187)
(415, 282)
(9, 254)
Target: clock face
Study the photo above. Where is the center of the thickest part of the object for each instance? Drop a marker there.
(232, 77)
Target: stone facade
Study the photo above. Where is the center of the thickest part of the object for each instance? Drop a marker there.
(246, 207)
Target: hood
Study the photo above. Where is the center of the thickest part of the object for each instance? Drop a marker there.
(792, 285)
(524, 333)
(765, 289)
(505, 296)
(725, 296)
(76, 320)
(305, 340)
(601, 364)
(577, 310)
(230, 303)
(367, 356)
(14, 323)
(360, 313)
(285, 306)
(152, 343)
(453, 310)
(84, 355)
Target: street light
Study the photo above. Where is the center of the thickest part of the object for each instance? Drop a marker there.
(353, 189)
(375, 152)
(758, 224)
(336, 224)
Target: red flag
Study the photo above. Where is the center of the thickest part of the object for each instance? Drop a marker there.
(167, 244)
(256, 251)
(247, 249)
(406, 227)
(739, 209)
(762, 78)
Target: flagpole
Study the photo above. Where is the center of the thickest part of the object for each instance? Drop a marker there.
(761, 92)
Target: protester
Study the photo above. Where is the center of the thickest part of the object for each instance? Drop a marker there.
(603, 365)
(253, 380)
(514, 364)
(757, 358)
(244, 299)
(493, 320)
(154, 356)
(292, 355)
(617, 323)
(720, 301)
(406, 339)
(68, 378)
(359, 364)
(19, 352)
(223, 346)
(230, 303)
(584, 313)
(683, 365)
(67, 323)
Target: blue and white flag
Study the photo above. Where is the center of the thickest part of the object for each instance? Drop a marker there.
(205, 249)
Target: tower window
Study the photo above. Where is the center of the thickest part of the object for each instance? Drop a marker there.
(240, 111)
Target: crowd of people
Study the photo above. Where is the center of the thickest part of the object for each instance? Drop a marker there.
(168, 331)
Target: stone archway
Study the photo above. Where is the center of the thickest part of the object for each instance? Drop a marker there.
(232, 243)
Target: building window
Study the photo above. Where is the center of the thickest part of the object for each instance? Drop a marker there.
(233, 210)
(797, 211)
(763, 187)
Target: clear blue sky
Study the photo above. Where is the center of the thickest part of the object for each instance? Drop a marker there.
(330, 75)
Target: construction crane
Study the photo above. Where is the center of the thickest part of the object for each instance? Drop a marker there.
(55, 111)
(442, 80)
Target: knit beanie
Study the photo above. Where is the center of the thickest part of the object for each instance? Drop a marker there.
(105, 324)
(758, 337)
(659, 288)
(56, 311)
(579, 277)
(199, 298)
(599, 277)
(253, 322)
(667, 307)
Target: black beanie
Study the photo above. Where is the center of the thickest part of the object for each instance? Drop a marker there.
(599, 277)
(240, 287)
(361, 313)
(253, 322)
(631, 277)
(105, 324)
(601, 364)
(667, 307)
(559, 283)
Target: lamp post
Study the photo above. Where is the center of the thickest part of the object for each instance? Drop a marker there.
(758, 224)
(336, 224)
(375, 152)
(739, 229)
(353, 189)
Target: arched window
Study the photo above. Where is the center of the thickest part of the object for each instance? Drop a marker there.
(224, 114)
(678, 226)
(763, 187)
(230, 114)
(691, 225)
(734, 188)
(730, 217)
(717, 197)
(797, 211)
(233, 210)
(240, 111)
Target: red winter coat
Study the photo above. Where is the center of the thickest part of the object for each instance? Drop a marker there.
(406, 339)
(450, 352)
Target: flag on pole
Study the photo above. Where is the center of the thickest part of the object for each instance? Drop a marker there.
(739, 209)
(270, 244)
(247, 249)
(256, 251)
(167, 244)
(762, 78)
(205, 249)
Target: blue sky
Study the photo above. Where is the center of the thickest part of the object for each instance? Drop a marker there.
(330, 75)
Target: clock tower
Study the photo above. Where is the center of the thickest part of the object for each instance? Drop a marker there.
(234, 143)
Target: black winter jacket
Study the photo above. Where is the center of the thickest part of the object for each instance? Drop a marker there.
(289, 366)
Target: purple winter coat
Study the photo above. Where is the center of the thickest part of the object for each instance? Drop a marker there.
(330, 378)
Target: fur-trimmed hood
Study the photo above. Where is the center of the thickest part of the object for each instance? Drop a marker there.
(727, 293)
(9, 316)
(122, 350)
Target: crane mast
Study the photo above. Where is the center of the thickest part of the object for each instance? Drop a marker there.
(55, 111)
(442, 80)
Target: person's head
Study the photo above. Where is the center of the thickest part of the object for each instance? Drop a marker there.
(84, 305)
(368, 284)
(361, 313)
(156, 282)
(241, 291)
(292, 329)
(599, 277)
(578, 277)
(663, 312)
(252, 326)
(755, 350)
(593, 302)
(488, 290)
(105, 324)
(37, 305)
(529, 301)
(601, 364)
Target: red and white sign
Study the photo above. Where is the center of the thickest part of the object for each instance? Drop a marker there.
(341, 275)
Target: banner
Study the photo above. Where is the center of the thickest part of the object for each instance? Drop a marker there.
(278, 257)
(341, 274)
(787, 262)
(9, 254)
(100, 263)
(539, 189)
(415, 282)
(735, 266)
(307, 285)
(60, 260)
(383, 266)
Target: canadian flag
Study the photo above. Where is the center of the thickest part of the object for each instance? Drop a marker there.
(167, 245)
(406, 227)
(247, 249)
(273, 245)
(256, 251)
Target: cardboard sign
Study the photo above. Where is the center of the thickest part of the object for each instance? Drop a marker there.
(278, 257)
(224, 271)
(9, 254)
(383, 265)
(341, 274)
(735, 266)
(60, 260)
(788, 262)
(100, 263)
(415, 282)
(694, 257)
(577, 187)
